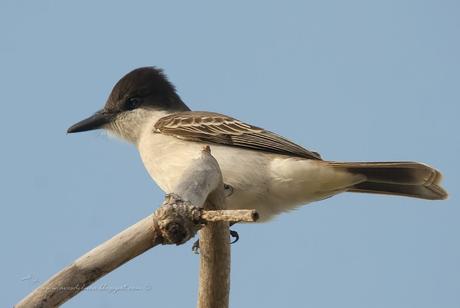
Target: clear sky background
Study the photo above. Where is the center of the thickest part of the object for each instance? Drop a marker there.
(354, 80)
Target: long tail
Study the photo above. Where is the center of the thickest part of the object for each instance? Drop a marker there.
(409, 179)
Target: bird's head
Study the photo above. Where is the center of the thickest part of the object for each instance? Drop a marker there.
(134, 98)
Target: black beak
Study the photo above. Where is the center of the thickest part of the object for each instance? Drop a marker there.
(98, 120)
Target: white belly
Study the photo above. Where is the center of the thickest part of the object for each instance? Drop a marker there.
(269, 183)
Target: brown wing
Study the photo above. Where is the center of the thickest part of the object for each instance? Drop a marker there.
(217, 128)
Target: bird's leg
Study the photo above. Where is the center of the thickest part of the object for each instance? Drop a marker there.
(228, 189)
(235, 237)
(196, 247)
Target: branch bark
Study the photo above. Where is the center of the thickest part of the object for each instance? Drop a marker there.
(175, 222)
(214, 281)
(214, 285)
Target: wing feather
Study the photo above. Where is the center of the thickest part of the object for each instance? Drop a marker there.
(221, 129)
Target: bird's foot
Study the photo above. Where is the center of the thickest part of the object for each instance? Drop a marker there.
(235, 236)
(196, 245)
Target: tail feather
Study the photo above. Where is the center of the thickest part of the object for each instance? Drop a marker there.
(409, 179)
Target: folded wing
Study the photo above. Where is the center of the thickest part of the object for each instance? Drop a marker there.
(220, 129)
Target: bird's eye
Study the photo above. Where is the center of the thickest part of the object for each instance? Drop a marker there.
(132, 103)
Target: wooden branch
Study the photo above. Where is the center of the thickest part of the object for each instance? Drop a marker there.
(214, 282)
(214, 286)
(93, 265)
(175, 222)
(231, 215)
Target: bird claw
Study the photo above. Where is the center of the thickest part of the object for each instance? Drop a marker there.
(196, 244)
(196, 247)
(235, 236)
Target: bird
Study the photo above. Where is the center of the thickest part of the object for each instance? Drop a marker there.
(262, 170)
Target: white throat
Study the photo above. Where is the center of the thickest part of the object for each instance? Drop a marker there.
(129, 125)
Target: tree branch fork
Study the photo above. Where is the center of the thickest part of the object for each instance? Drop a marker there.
(177, 220)
(197, 203)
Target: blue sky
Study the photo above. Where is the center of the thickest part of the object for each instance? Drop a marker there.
(354, 80)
